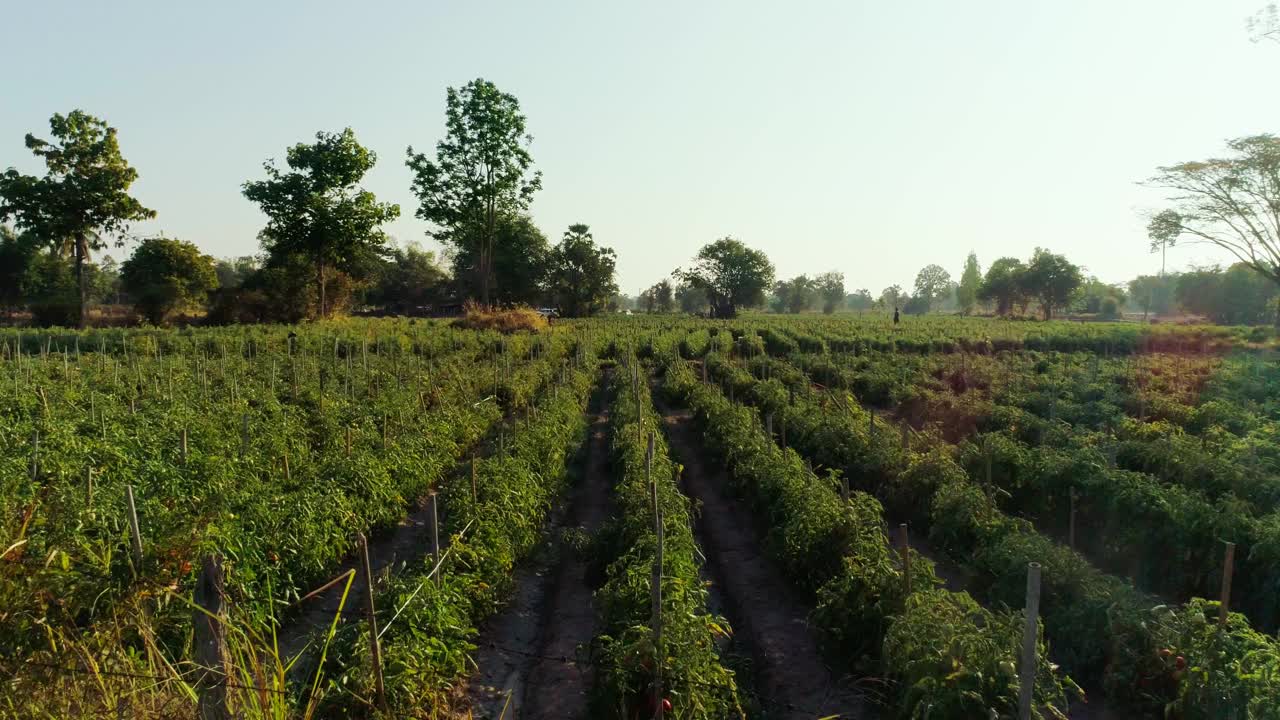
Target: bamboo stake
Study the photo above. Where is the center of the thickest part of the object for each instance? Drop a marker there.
(1027, 673)
(375, 650)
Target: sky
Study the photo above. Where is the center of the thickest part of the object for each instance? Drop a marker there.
(870, 138)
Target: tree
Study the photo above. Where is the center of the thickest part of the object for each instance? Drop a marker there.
(1232, 203)
(1052, 280)
(692, 300)
(409, 279)
(1003, 284)
(1163, 231)
(831, 289)
(232, 272)
(1235, 296)
(970, 282)
(795, 295)
(317, 211)
(731, 274)
(860, 300)
(17, 253)
(82, 197)
(1098, 298)
(481, 172)
(582, 273)
(1153, 293)
(931, 283)
(167, 275)
(663, 295)
(892, 296)
(519, 265)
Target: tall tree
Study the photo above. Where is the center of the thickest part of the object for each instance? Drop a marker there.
(1231, 202)
(932, 282)
(409, 279)
(970, 281)
(860, 300)
(1163, 231)
(693, 300)
(831, 288)
(1235, 296)
(317, 211)
(795, 295)
(82, 197)
(663, 296)
(167, 275)
(582, 273)
(481, 171)
(892, 296)
(731, 274)
(1051, 279)
(1003, 284)
(1153, 293)
(519, 264)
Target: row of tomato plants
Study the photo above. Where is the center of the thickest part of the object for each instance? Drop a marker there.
(68, 563)
(946, 655)
(693, 682)
(1164, 489)
(1099, 627)
(427, 648)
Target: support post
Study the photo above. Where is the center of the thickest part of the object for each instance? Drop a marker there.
(475, 494)
(906, 558)
(184, 446)
(210, 642)
(1228, 568)
(656, 588)
(1027, 671)
(134, 532)
(375, 650)
(435, 540)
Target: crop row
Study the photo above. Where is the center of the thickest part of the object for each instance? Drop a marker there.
(945, 655)
(1097, 625)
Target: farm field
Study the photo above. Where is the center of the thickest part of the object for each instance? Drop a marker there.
(640, 516)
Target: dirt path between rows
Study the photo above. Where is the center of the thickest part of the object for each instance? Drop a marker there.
(791, 680)
(528, 663)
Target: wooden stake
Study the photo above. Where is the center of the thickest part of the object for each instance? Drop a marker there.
(906, 558)
(435, 540)
(1027, 672)
(88, 483)
(1228, 567)
(210, 642)
(375, 650)
(656, 588)
(183, 445)
(475, 495)
(134, 531)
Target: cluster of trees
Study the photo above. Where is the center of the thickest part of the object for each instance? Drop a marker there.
(323, 247)
(725, 277)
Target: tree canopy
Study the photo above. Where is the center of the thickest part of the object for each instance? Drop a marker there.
(582, 273)
(970, 282)
(317, 211)
(82, 197)
(1231, 202)
(1003, 284)
(932, 282)
(732, 275)
(166, 276)
(831, 289)
(1051, 279)
(481, 172)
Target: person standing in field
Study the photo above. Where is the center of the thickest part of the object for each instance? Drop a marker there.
(895, 315)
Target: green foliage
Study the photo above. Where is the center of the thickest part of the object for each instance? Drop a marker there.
(166, 276)
(732, 275)
(970, 283)
(1052, 280)
(831, 289)
(82, 197)
(317, 211)
(481, 172)
(409, 279)
(582, 273)
(1235, 296)
(1003, 285)
(932, 283)
(795, 295)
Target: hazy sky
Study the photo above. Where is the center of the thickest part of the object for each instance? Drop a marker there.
(866, 137)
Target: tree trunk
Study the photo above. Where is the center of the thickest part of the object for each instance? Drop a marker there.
(320, 282)
(81, 250)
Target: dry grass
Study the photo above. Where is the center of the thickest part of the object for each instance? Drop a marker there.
(510, 320)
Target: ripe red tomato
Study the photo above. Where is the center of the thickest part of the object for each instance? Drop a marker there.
(1180, 662)
(666, 705)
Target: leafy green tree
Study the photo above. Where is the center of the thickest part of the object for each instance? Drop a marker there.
(17, 253)
(1235, 296)
(1163, 231)
(232, 272)
(409, 279)
(1052, 280)
(1003, 284)
(892, 297)
(105, 284)
(481, 172)
(520, 263)
(692, 300)
(831, 288)
(663, 296)
(932, 283)
(1098, 298)
(731, 274)
(1228, 202)
(970, 282)
(82, 197)
(1153, 293)
(860, 300)
(166, 276)
(582, 273)
(318, 212)
(795, 295)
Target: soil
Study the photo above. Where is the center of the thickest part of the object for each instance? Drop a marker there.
(529, 660)
(769, 621)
